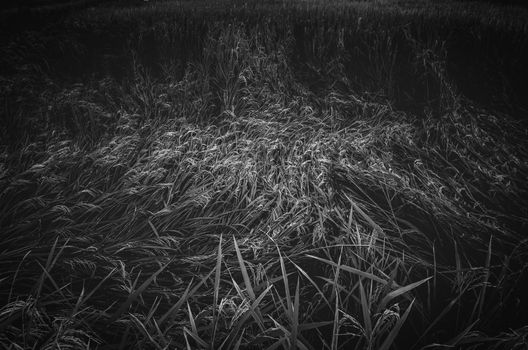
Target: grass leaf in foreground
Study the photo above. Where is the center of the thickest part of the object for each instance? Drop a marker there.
(394, 331)
(353, 270)
(133, 296)
(243, 269)
(186, 295)
(401, 291)
(216, 289)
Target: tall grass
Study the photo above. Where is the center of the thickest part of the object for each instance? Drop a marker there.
(309, 177)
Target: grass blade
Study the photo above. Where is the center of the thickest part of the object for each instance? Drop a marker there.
(394, 332)
(305, 274)
(365, 309)
(482, 295)
(335, 328)
(295, 318)
(400, 291)
(286, 285)
(183, 299)
(133, 296)
(354, 271)
(216, 290)
(243, 269)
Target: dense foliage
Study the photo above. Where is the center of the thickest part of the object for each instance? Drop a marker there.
(264, 175)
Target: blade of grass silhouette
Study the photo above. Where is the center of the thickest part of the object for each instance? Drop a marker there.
(78, 304)
(277, 344)
(216, 290)
(191, 319)
(50, 263)
(365, 309)
(144, 330)
(124, 338)
(264, 284)
(16, 274)
(286, 285)
(288, 335)
(133, 296)
(52, 280)
(400, 291)
(335, 290)
(312, 325)
(153, 229)
(388, 287)
(95, 289)
(305, 274)
(367, 218)
(439, 317)
(394, 331)
(243, 269)
(239, 341)
(295, 318)
(458, 264)
(335, 328)
(482, 295)
(153, 309)
(354, 271)
(187, 332)
(453, 342)
(253, 311)
(161, 336)
(193, 332)
(186, 294)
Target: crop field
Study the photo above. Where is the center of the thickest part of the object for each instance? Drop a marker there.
(240, 174)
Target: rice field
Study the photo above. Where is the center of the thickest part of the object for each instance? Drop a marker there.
(271, 175)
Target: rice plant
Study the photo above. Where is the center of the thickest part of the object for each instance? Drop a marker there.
(240, 175)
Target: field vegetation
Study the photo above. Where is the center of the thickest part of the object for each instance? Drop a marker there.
(264, 175)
